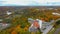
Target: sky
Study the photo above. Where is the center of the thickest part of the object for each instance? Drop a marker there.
(29, 2)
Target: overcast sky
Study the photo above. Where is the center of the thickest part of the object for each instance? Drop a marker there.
(29, 2)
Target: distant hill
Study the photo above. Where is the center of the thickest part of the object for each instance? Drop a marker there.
(2, 7)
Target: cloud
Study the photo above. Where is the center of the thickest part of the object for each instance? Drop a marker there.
(29, 2)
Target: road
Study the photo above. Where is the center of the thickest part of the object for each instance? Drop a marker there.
(48, 28)
(57, 31)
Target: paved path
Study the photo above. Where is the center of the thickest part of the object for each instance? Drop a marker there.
(57, 31)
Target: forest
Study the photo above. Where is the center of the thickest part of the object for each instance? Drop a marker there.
(19, 18)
